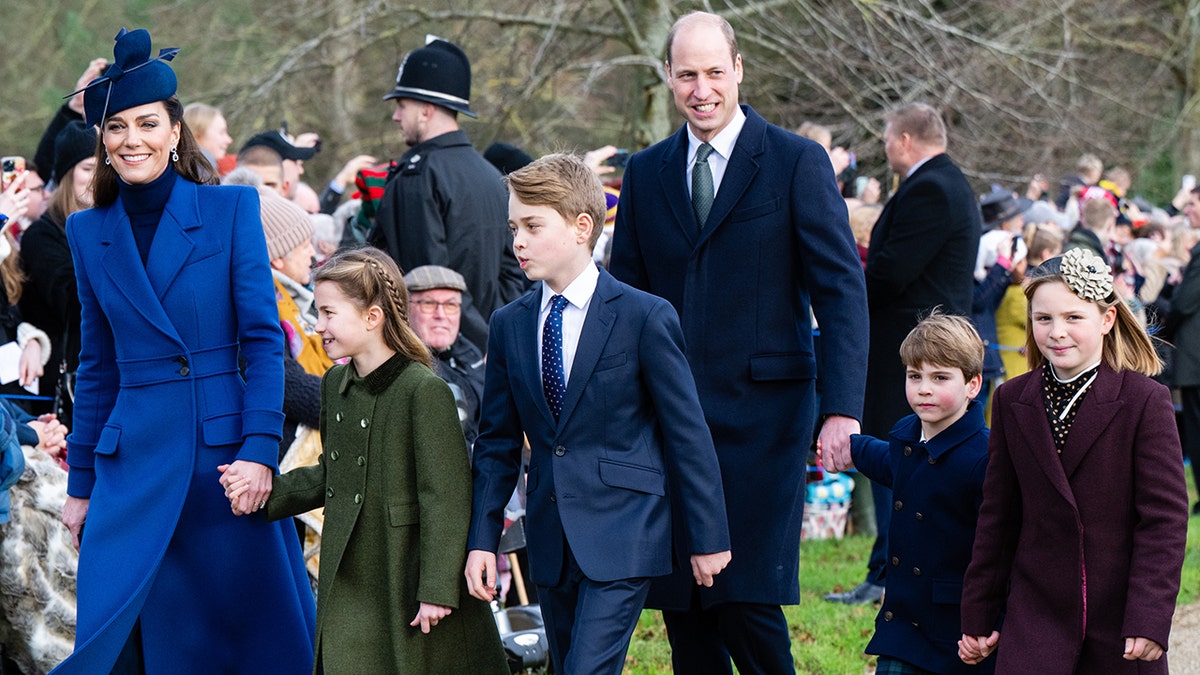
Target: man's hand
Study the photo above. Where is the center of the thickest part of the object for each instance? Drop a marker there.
(833, 444)
(974, 648)
(705, 566)
(595, 159)
(481, 575)
(350, 170)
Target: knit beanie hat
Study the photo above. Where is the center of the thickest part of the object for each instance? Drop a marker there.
(72, 145)
(285, 224)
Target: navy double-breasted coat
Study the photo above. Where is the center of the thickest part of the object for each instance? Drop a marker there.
(160, 403)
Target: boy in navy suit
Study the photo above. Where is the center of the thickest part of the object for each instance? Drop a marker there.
(593, 372)
(934, 462)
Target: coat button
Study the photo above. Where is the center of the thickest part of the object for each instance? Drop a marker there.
(898, 505)
(916, 571)
(183, 366)
(888, 616)
(362, 461)
(358, 499)
(560, 450)
(895, 560)
(553, 497)
(329, 492)
(363, 423)
(907, 450)
(920, 516)
(932, 460)
(333, 455)
(338, 417)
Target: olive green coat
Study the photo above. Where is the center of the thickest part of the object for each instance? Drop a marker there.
(396, 486)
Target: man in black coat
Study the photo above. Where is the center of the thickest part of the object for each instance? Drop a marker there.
(444, 204)
(921, 256)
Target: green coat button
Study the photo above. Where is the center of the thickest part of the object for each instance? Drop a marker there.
(338, 417)
(329, 492)
(363, 423)
(362, 461)
(357, 499)
(333, 455)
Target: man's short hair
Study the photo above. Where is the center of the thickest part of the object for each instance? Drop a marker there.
(564, 183)
(259, 155)
(714, 19)
(944, 340)
(1097, 213)
(1089, 163)
(920, 121)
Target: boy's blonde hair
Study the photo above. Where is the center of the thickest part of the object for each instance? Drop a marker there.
(1126, 346)
(944, 340)
(564, 183)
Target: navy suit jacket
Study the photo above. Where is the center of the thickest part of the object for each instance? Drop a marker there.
(598, 477)
(776, 245)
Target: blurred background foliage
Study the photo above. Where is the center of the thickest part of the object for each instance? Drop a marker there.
(1026, 85)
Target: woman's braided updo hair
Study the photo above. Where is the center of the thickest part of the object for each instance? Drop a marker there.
(368, 276)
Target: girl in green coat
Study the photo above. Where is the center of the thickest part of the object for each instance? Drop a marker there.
(396, 486)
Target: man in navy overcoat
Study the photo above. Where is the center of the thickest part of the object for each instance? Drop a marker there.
(774, 243)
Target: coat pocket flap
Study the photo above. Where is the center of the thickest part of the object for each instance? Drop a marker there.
(947, 592)
(632, 477)
(109, 436)
(404, 514)
(789, 366)
(610, 362)
(223, 429)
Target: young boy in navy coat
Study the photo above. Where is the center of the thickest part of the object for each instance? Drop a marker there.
(934, 462)
(593, 372)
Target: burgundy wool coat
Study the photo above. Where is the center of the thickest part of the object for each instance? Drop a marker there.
(1080, 550)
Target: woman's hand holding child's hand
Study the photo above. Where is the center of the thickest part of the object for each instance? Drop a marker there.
(1144, 649)
(975, 648)
(247, 485)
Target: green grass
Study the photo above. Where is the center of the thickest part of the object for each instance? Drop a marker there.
(828, 638)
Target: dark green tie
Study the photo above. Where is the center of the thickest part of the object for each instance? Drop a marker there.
(702, 184)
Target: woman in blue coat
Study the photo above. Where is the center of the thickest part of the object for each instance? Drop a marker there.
(174, 287)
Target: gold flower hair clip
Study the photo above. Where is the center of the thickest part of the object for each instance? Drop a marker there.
(1087, 274)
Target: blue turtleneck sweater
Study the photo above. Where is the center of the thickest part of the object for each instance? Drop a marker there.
(144, 205)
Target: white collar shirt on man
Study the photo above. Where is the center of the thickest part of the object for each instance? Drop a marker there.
(722, 145)
(579, 297)
(918, 165)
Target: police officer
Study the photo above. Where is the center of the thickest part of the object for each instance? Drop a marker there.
(443, 203)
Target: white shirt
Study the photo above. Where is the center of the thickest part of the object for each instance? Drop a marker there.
(918, 165)
(579, 296)
(722, 145)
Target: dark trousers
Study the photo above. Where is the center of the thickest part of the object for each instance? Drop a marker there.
(704, 640)
(1190, 431)
(589, 623)
(129, 661)
(877, 563)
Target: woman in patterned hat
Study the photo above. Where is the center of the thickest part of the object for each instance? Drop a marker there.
(174, 287)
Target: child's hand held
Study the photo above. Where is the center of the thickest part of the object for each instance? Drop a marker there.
(1144, 649)
(429, 615)
(705, 566)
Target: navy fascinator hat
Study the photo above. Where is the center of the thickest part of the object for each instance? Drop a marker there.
(133, 78)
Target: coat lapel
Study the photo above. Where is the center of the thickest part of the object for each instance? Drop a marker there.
(1099, 406)
(172, 246)
(672, 179)
(528, 363)
(124, 268)
(1034, 428)
(596, 327)
(739, 172)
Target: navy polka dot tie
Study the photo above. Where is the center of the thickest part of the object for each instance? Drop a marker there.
(554, 381)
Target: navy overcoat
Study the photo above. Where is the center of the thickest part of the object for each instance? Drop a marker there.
(160, 403)
(776, 247)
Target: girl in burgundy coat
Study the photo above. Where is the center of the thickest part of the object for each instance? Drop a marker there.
(1083, 525)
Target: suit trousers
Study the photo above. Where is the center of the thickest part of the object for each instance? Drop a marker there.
(589, 623)
(754, 635)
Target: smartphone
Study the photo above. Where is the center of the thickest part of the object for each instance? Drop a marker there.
(618, 160)
(1188, 182)
(11, 166)
(860, 185)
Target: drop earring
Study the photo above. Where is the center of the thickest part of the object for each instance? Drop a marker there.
(106, 160)
(174, 155)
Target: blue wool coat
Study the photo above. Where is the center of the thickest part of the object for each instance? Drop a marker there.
(777, 244)
(937, 487)
(160, 403)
